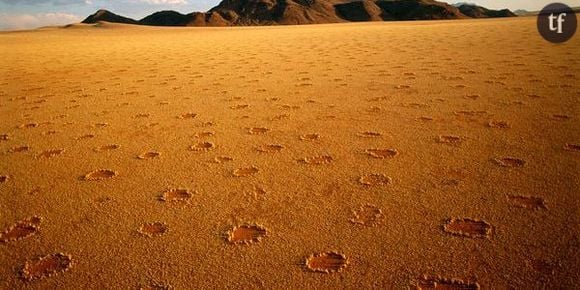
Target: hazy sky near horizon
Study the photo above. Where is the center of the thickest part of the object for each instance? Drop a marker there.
(25, 14)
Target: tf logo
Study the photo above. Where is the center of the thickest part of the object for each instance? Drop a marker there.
(557, 23)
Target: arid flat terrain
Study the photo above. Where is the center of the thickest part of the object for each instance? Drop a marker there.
(372, 155)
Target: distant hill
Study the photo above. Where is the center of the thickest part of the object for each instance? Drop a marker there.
(462, 3)
(475, 11)
(367, 10)
(523, 12)
(285, 12)
(162, 18)
(247, 12)
(104, 15)
(166, 18)
(418, 10)
(267, 12)
(172, 18)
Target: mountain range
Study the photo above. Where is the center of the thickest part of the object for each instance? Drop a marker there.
(291, 12)
(523, 12)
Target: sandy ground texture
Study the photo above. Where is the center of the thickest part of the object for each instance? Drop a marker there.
(375, 155)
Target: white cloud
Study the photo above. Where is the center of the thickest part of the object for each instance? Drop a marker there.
(163, 2)
(28, 21)
(40, 2)
(81, 2)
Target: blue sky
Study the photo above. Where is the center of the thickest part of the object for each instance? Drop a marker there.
(23, 14)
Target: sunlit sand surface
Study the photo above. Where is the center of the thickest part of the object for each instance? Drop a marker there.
(431, 155)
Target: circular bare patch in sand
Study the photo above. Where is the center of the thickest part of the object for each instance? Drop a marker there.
(246, 171)
(19, 149)
(153, 229)
(222, 159)
(449, 139)
(470, 113)
(280, 117)
(543, 266)
(51, 153)
(258, 130)
(427, 282)
(156, 286)
(240, 106)
(368, 215)
(317, 160)
(370, 134)
(498, 124)
(381, 153)
(187, 115)
(204, 134)
(375, 179)
(561, 117)
(270, 148)
(531, 202)
(86, 136)
(21, 229)
(327, 262)
(509, 162)
(46, 266)
(29, 125)
(108, 147)
(256, 193)
(176, 195)
(100, 174)
(310, 137)
(572, 147)
(468, 227)
(202, 146)
(142, 115)
(246, 234)
(149, 155)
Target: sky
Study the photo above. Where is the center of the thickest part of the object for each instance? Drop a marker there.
(26, 14)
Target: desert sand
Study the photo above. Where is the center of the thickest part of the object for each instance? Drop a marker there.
(369, 155)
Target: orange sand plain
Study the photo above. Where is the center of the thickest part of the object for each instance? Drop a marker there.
(390, 155)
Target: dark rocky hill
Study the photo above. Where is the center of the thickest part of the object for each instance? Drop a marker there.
(104, 15)
(276, 12)
(475, 11)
